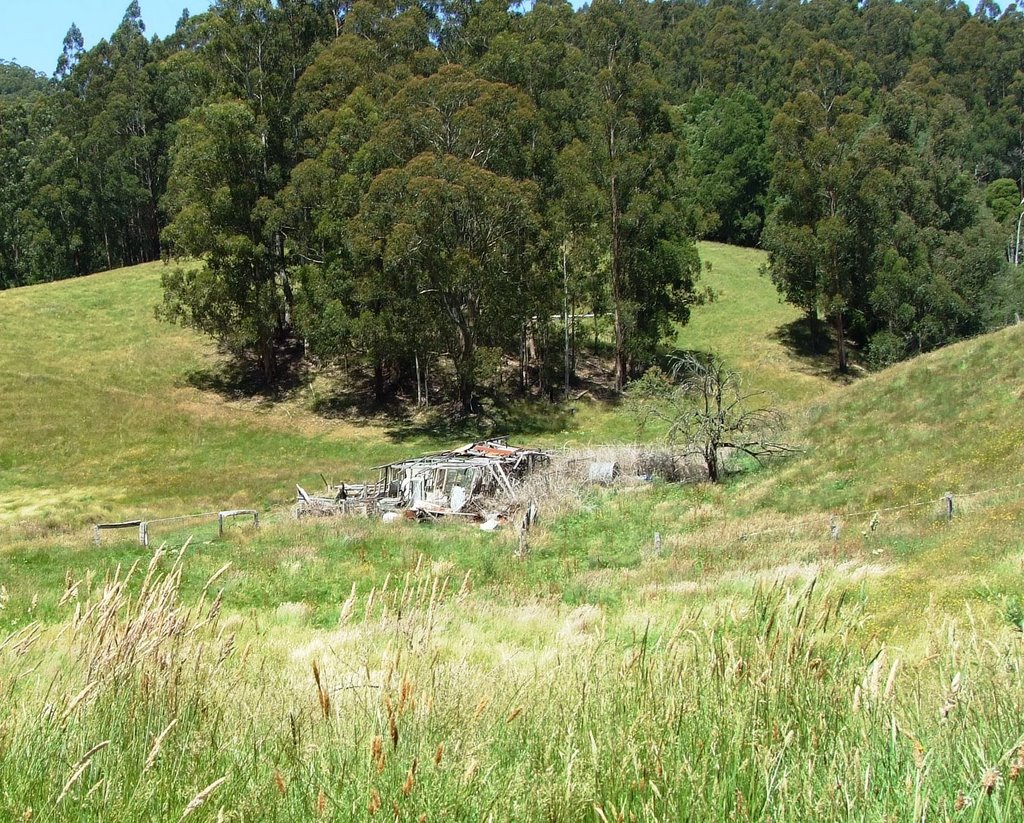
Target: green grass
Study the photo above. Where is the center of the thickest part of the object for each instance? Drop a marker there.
(121, 430)
(100, 419)
(735, 674)
(749, 326)
(103, 418)
(401, 711)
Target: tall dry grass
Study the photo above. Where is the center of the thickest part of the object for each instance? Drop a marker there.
(141, 706)
(563, 485)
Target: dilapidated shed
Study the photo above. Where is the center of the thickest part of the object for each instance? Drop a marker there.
(457, 481)
(466, 481)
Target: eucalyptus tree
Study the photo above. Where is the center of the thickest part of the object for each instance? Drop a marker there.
(450, 217)
(632, 155)
(229, 166)
(344, 312)
(218, 196)
(816, 247)
(459, 241)
(726, 138)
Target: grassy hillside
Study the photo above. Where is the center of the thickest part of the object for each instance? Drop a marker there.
(951, 421)
(753, 667)
(100, 418)
(105, 415)
(749, 326)
(123, 428)
(877, 458)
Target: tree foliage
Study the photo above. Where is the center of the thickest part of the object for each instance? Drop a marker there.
(875, 150)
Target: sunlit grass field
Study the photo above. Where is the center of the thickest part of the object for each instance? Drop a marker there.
(792, 646)
(104, 415)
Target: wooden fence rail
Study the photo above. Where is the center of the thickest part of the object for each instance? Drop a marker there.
(143, 525)
(127, 524)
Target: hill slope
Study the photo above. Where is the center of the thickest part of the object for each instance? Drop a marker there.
(435, 667)
(877, 459)
(123, 429)
(100, 418)
(105, 415)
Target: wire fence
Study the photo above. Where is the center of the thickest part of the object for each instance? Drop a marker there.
(831, 524)
(946, 506)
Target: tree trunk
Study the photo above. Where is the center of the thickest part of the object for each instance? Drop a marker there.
(466, 387)
(465, 367)
(523, 365)
(106, 246)
(620, 336)
(268, 361)
(711, 461)
(378, 382)
(565, 320)
(419, 393)
(843, 360)
(572, 343)
(286, 284)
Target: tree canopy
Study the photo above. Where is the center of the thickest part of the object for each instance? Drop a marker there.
(445, 185)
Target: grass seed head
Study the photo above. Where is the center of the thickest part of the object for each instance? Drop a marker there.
(154, 752)
(991, 780)
(377, 755)
(918, 755)
(410, 780)
(392, 728)
(322, 695)
(202, 797)
(1018, 765)
(79, 770)
(404, 694)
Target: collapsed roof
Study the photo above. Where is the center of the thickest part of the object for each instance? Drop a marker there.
(466, 481)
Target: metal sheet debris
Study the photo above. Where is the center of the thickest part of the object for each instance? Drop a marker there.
(603, 472)
(462, 482)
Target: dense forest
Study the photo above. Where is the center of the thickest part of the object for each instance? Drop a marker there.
(425, 191)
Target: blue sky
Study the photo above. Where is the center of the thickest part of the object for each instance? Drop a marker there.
(32, 31)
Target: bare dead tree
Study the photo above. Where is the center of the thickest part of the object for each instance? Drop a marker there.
(707, 412)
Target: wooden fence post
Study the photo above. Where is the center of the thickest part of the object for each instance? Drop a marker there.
(144, 533)
(949, 506)
(220, 524)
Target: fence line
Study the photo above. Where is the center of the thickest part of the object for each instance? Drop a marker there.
(183, 517)
(143, 525)
(834, 518)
